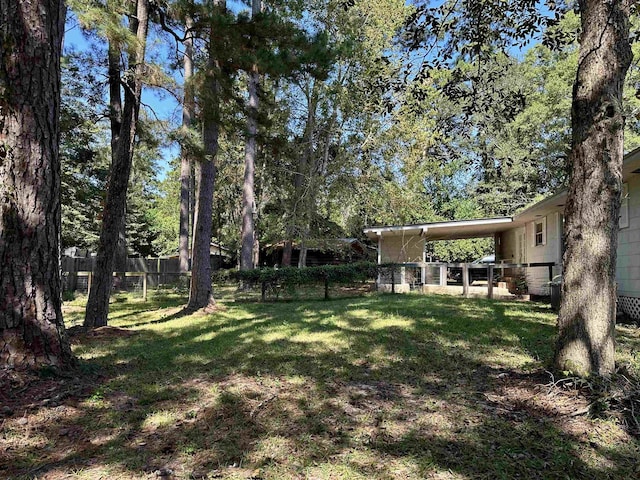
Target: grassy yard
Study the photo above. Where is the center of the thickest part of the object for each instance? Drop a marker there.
(377, 387)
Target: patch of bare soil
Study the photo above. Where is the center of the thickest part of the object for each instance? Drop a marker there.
(36, 406)
(571, 404)
(356, 289)
(518, 396)
(22, 391)
(80, 334)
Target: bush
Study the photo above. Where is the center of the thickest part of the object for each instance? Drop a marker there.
(223, 275)
(68, 296)
(288, 278)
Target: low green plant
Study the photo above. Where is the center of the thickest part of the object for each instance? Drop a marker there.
(274, 280)
(68, 296)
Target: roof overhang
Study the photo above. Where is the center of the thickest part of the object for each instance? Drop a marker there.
(554, 203)
(487, 227)
(631, 163)
(454, 230)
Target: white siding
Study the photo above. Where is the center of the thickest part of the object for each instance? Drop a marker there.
(628, 265)
(551, 251)
(538, 277)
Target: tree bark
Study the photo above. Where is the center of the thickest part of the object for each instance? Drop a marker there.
(248, 191)
(287, 251)
(302, 259)
(586, 320)
(256, 248)
(201, 290)
(32, 331)
(300, 216)
(188, 113)
(115, 120)
(305, 209)
(115, 95)
(113, 217)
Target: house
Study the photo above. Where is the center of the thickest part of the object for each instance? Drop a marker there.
(220, 256)
(329, 251)
(532, 237)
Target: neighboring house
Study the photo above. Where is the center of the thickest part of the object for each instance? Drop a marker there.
(532, 236)
(77, 252)
(220, 256)
(330, 251)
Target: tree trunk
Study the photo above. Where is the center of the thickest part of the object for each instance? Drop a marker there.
(201, 291)
(260, 197)
(256, 248)
(114, 211)
(115, 96)
(302, 260)
(287, 251)
(120, 257)
(587, 313)
(248, 192)
(188, 113)
(306, 210)
(31, 328)
(115, 120)
(193, 189)
(300, 216)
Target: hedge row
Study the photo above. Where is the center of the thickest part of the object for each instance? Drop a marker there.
(288, 278)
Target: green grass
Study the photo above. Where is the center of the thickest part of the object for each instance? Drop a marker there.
(384, 386)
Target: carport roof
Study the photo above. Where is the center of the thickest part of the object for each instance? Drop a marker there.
(451, 230)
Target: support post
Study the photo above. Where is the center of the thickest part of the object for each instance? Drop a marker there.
(379, 276)
(490, 281)
(73, 276)
(393, 279)
(443, 275)
(89, 279)
(144, 286)
(465, 280)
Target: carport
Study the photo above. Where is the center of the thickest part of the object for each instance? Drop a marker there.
(402, 248)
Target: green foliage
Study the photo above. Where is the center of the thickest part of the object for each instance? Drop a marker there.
(519, 286)
(389, 143)
(85, 159)
(465, 250)
(290, 277)
(84, 164)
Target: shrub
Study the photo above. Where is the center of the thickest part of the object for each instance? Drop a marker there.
(288, 278)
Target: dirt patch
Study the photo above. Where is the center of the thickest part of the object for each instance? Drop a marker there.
(357, 289)
(23, 391)
(79, 334)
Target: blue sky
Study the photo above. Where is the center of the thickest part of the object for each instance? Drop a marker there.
(159, 104)
(164, 106)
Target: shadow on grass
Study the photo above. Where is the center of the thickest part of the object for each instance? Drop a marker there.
(383, 387)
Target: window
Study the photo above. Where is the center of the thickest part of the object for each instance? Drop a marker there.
(539, 232)
(623, 219)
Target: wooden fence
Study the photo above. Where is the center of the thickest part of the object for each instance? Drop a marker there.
(139, 273)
